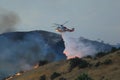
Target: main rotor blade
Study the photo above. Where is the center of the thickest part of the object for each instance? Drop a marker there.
(65, 22)
(56, 24)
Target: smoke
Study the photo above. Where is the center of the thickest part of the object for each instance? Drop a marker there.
(22, 50)
(74, 47)
(25, 53)
(8, 20)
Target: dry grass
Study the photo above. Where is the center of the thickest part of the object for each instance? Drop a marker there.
(102, 72)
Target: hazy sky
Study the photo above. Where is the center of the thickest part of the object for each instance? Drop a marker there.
(93, 19)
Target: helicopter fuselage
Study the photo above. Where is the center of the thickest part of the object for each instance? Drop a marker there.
(62, 28)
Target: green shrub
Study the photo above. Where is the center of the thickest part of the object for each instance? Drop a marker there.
(83, 64)
(54, 75)
(83, 76)
(43, 77)
(107, 61)
(114, 49)
(42, 62)
(119, 48)
(98, 64)
(62, 78)
(100, 54)
(74, 62)
(90, 57)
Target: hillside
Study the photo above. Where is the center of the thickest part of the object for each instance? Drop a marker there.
(101, 68)
(22, 50)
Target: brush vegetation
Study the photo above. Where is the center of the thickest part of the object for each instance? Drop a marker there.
(105, 67)
(84, 76)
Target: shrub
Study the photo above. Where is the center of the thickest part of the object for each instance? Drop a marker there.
(54, 75)
(83, 64)
(100, 54)
(98, 64)
(62, 78)
(42, 62)
(114, 49)
(119, 48)
(89, 56)
(83, 77)
(43, 77)
(107, 61)
(74, 62)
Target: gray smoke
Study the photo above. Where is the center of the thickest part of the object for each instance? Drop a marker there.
(81, 47)
(22, 50)
(75, 48)
(8, 20)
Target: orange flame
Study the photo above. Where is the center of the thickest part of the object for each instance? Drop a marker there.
(66, 53)
(9, 78)
(18, 74)
(70, 56)
(36, 66)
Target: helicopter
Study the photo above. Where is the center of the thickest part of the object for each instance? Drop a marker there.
(61, 28)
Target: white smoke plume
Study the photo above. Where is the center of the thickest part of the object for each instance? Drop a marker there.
(8, 20)
(75, 48)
